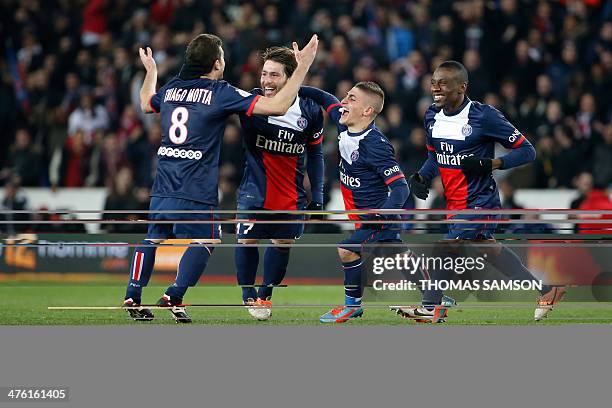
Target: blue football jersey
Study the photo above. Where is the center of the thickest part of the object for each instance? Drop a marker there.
(193, 117)
(367, 167)
(275, 152)
(472, 130)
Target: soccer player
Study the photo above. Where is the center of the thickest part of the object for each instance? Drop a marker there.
(461, 136)
(278, 150)
(370, 178)
(194, 107)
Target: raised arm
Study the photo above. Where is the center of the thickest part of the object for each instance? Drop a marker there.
(280, 103)
(150, 81)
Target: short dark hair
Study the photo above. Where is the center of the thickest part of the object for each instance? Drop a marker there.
(203, 51)
(460, 71)
(373, 89)
(282, 55)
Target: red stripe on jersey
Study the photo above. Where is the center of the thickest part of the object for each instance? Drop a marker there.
(281, 189)
(151, 105)
(316, 141)
(455, 188)
(518, 142)
(392, 179)
(332, 106)
(431, 149)
(349, 203)
(249, 111)
(137, 266)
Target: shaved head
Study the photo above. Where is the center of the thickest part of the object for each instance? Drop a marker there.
(374, 93)
(461, 74)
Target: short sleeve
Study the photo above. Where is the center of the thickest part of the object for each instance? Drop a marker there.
(497, 128)
(155, 101)
(381, 157)
(315, 135)
(235, 100)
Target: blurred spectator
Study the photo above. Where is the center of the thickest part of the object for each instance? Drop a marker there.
(584, 184)
(568, 160)
(14, 200)
(596, 199)
(88, 119)
(602, 159)
(75, 80)
(24, 160)
(122, 196)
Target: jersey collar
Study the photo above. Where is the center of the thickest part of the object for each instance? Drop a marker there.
(370, 127)
(466, 100)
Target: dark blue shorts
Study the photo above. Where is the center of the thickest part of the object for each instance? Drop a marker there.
(368, 236)
(471, 231)
(183, 231)
(258, 230)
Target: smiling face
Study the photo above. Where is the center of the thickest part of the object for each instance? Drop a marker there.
(447, 89)
(354, 107)
(273, 77)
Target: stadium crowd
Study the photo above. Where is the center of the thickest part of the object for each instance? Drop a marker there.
(70, 77)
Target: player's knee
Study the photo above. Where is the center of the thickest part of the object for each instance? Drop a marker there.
(248, 241)
(152, 241)
(347, 256)
(491, 247)
(283, 241)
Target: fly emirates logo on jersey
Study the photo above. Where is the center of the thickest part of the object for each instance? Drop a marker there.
(347, 180)
(285, 142)
(447, 158)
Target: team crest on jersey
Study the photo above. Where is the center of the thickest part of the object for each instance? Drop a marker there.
(355, 156)
(466, 130)
(302, 122)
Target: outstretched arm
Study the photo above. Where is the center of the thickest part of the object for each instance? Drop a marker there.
(327, 101)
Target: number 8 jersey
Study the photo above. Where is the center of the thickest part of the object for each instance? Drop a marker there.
(193, 118)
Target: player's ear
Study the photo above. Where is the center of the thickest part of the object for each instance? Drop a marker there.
(217, 65)
(463, 87)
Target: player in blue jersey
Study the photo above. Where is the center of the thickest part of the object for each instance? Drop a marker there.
(370, 178)
(194, 107)
(279, 150)
(461, 137)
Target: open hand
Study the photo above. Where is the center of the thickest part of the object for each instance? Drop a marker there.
(146, 56)
(306, 55)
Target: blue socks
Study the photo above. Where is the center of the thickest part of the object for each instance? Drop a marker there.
(141, 270)
(353, 288)
(246, 259)
(509, 263)
(276, 260)
(192, 265)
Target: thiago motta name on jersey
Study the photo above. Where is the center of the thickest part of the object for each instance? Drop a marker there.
(284, 144)
(198, 95)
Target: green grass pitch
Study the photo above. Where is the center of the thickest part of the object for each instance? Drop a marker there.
(26, 304)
